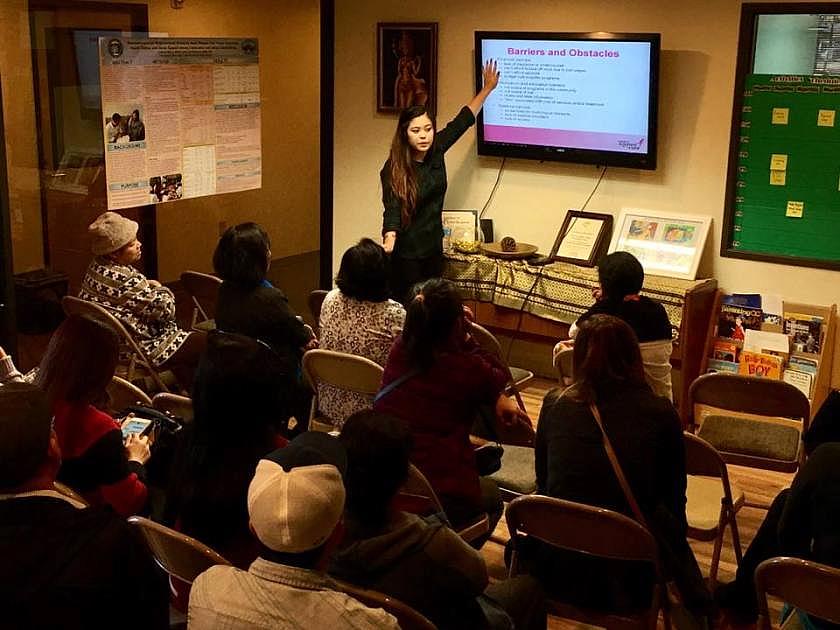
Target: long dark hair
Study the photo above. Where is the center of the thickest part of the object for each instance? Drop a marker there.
(430, 320)
(606, 354)
(401, 170)
(80, 361)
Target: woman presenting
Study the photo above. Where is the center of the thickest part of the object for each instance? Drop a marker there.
(414, 185)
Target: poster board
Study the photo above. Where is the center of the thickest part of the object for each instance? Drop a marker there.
(787, 185)
(181, 118)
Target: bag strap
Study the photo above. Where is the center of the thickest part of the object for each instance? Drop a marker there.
(395, 383)
(622, 480)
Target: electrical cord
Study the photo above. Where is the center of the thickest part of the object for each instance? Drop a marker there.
(493, 190)
(542, 268)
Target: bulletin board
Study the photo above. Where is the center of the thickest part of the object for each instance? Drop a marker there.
(787, 189)
(784, 199)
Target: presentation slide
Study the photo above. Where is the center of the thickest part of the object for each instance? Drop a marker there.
(578, 94)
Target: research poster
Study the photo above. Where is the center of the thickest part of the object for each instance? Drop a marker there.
(582, 94)
(181, 118)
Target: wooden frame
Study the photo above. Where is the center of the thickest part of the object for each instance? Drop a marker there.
(663, 231)
(598, 245)
(746, 46)
(406, 65)
(8, 325)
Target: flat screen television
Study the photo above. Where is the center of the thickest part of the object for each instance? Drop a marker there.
(589, 98)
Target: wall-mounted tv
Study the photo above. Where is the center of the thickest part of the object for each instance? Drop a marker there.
(589, 98)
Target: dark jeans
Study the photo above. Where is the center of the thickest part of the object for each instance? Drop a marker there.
(406, 272)
(185, 360)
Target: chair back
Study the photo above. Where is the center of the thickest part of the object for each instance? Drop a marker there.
(123, 394)
(518, 435)
(77, 306)
(656, 360)
(179, 555)
(175, 405)
(348, 372)
(701, 458)
(593, 531)
(808, 586)
(564, 364)
(316, 300)
(407, 617)
(204, 291)
(756, 400)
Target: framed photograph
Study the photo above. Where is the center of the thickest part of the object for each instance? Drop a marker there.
(406, 65)
(583, 238)
(666, 244)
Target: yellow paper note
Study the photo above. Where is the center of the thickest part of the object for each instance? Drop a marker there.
(795, 209)
(778, 178)
(780, 115)
(825, 118)
(778, 162)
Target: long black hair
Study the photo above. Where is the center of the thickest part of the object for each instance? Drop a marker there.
(401, 170)
(430, 320)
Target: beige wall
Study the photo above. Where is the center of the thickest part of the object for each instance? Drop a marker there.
(21, 147)
(699, 43)
(288, 202)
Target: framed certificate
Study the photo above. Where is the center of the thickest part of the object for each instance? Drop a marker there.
(583, 238)
(666, 244)
(459, 229)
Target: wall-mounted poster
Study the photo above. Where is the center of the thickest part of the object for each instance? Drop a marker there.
(181, 118)
(666, 244)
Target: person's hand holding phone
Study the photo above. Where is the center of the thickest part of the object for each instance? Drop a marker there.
(138, 448)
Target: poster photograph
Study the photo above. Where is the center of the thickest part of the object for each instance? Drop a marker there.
(181, 118)
(666, 244)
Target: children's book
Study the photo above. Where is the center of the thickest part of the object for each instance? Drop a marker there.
(716, 365)
(735, 320)
(759, 364)
(801, 380)
(805, 331)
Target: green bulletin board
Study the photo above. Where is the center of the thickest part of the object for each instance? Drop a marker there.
(787, 195)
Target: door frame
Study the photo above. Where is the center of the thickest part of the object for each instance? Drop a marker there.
(8, 324)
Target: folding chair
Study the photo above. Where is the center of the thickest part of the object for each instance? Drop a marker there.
(712, 502)
(204, 291)
(73, 305)
(593, 531)
(175, 405)
(68, 492)
(408, 618)
(316, 300)
(807, 586)
(123, 394)
(756, 422)
(344, 371)
(417, 485)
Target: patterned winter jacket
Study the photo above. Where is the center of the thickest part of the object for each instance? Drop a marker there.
(148, 312)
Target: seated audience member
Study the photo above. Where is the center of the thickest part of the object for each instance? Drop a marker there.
(239, 407)
(64, 565)
(358, 318)
(249, 305)
(143, 306)
(620, 276)
(295, 504)
(803, 522)
(436, 379)
(75, 371)
(8, 372)
(419, 561)
(572, 464)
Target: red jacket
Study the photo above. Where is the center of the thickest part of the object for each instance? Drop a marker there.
(94, 461)
(440, 406)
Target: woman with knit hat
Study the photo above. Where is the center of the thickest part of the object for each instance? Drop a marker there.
(143, 306)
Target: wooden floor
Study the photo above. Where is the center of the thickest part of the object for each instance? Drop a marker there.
(759, 486)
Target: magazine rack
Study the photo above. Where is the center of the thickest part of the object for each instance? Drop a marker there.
(825, 357)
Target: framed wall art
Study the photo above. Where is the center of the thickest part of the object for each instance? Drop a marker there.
(406, 65)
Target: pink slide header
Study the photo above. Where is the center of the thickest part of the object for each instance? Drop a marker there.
(594, 140)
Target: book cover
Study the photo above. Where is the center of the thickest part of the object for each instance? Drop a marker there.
(735, 320)
(758, 364)
(716, 365)
(801, 380)
(804, 364)
(805, 331)
(725, 350)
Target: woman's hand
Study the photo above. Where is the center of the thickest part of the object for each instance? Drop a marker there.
(138, 448)
(490, 75)
(509, 413)
(389, 239)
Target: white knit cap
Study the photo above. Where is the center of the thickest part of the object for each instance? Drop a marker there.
(110, 232)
